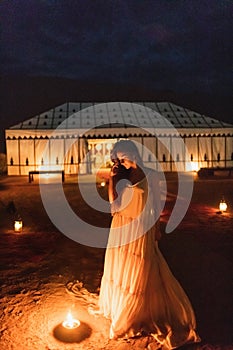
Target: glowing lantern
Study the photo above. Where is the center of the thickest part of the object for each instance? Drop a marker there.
(70, 322)
(103, 183)
(18, 225)
(222, 206)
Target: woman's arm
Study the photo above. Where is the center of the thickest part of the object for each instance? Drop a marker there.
(112, 195)
(113, 178)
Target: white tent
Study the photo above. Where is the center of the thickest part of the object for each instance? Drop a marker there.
(78, 137)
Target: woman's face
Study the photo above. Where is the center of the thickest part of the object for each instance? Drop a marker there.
(125, 161)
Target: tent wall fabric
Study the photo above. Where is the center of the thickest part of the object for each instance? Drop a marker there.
(77, 137)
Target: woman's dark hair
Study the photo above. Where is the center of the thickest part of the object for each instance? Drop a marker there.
(128, 148)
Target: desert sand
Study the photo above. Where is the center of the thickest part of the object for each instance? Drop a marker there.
(44, 274)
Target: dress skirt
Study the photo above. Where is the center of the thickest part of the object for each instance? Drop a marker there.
(140, 294)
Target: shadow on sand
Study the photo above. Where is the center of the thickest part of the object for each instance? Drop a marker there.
(76, 335)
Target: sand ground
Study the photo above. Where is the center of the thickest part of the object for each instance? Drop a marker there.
(40, 266)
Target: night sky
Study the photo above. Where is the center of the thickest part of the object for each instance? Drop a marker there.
(153, 48)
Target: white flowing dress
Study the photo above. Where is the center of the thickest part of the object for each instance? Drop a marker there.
(138, 291)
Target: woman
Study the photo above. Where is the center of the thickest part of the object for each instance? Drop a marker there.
(138, 292)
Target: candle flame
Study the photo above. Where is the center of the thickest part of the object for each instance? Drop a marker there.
(70, 322)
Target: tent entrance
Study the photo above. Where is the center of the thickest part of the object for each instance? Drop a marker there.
(99, 153)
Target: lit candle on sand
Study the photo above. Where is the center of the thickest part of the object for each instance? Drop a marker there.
(70, 322)
(18, 225)
(222, 206)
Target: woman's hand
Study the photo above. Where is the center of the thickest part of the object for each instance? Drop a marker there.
(114, 170)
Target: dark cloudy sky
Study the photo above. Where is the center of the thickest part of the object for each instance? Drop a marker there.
(166, 44)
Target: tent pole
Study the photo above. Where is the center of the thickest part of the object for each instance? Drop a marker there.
(19, 156)
(171, 158)
(212, 151)
(79, 155)
(184, 153)
(225, 150)
(34, 154)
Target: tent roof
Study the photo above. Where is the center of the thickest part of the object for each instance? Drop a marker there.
(79, 115)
